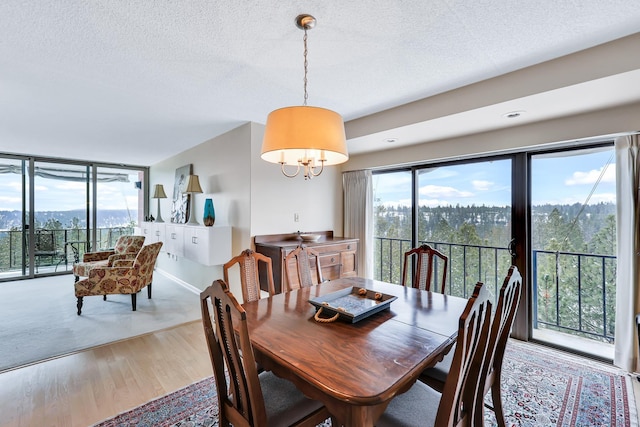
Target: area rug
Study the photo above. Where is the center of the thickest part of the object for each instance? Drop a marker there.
(541, 388)
(39, 319)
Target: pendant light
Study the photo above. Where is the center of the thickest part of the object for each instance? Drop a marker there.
(309, 138)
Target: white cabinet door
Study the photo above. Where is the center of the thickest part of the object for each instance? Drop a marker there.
(174, 239)
(207, 245)
(153, 232)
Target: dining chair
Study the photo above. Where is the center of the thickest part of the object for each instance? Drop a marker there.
(457, 404)
(246, 398)
(429, 262)
(505, 312)
(298, 268)
(249, 262)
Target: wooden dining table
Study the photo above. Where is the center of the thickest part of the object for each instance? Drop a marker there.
(355, 369)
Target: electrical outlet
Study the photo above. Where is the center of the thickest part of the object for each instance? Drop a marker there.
(296, 217)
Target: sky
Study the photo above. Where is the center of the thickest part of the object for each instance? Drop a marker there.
(63, 195)
(555, 180)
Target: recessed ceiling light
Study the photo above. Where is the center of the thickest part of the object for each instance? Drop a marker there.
(513, 114)
(391, 140)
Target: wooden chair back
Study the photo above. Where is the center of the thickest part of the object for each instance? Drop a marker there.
(249, 262)
(240, 402)
(464, 386)
(506, 308)
(429, 263)
(299, 270)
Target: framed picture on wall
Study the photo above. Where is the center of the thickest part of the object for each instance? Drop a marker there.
(180, 201)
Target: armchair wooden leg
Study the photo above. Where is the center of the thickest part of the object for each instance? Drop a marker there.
(133, 302)
(149, 291)
(79, 305)
(104, 297)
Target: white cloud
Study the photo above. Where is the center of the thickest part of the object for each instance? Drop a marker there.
(481, 185)
(590, 177)
(442, 191)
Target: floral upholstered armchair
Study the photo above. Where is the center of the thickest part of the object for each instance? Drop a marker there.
(127, 247)
(124, 277)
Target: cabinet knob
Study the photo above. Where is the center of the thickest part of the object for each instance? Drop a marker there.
(348, 246)
(194, 240)
(333, 259)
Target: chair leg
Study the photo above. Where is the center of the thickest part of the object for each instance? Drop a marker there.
(104, 297)
(133, 302)
(149, 291)
(79, 305)
(496, 397)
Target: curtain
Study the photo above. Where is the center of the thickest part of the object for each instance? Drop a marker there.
(358, 216)
(628, 247)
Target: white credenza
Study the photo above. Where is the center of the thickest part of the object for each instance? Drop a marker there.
(204, 245)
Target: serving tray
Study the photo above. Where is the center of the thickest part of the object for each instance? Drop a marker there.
(352, 304)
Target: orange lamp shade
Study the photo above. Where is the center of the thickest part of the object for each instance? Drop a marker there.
(303, 132)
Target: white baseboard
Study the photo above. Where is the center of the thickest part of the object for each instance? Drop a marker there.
(181, 282)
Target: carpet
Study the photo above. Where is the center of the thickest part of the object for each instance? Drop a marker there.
(38, 317)
(541, 388)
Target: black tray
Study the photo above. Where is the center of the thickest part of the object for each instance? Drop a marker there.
(351, 305)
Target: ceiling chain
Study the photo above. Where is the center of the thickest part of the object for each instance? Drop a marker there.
(306, 64)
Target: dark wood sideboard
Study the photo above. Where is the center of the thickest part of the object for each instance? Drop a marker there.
(338, 255)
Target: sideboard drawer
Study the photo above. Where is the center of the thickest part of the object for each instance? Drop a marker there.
(337, 255)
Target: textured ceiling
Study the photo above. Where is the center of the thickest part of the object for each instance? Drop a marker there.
(139, 81)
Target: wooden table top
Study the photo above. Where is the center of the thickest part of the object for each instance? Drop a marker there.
(355, 369)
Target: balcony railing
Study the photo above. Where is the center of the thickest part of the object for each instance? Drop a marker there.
(62, 250)
(572, 292)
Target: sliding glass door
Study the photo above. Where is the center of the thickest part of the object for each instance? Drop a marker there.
(59, 208)
(13, 216)
(551, 213)
(461, 209)
(573, 247)
(54, 211)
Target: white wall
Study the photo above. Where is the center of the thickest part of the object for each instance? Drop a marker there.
(223, 168)
(249, 194)
(565, 129)
(275, 198)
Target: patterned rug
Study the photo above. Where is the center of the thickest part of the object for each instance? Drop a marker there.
(540, 388)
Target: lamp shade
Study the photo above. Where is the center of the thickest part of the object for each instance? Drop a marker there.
(158, 192)
(303, 132)
(193, 186)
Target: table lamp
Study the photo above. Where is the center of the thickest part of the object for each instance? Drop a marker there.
(193, 187)
(158, 193)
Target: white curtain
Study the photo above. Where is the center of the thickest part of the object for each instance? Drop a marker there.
(358, 216)
(628, 247)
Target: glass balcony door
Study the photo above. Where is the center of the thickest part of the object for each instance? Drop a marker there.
(52, 212)
(573, 248)
(13, 216)
(60, 216)
(462, 209)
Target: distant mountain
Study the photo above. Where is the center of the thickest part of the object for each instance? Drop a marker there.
(71, 219)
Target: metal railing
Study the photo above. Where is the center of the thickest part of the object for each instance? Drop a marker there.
(572, 292)
(67, 243)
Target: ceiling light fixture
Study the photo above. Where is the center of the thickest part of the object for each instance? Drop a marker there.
(303, 135)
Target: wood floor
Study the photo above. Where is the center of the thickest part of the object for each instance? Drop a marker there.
(86, 387)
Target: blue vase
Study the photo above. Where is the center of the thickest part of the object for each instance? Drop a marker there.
(209, 213)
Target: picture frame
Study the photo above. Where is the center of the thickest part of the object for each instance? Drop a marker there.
(180, 200)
